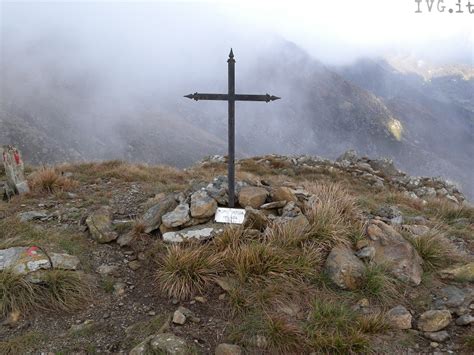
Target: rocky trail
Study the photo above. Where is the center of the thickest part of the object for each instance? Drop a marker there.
(346, 256)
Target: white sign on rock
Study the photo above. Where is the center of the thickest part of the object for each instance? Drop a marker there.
(230, 215)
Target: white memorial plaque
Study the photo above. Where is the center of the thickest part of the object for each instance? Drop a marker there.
(230, 215)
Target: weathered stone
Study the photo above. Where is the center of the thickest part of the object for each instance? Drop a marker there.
(388, 211)
(291, 210)
(255, 219)
(125, 239)
(252, 196)
(416, 229)
(463, 272)
(202, 232)
(226, 283)
(178, 217)
(273, 205)
(344, 268)
(366, 253)
(100, 225)
(106, 269)
(450, 296)
(14, 169)
(399, 318)
(465, 319)
(162, 343)
(23, 260)
(64, 261)
(134, 265)
(228, 349)
(394, 251)
(119, 288)
(434, 320)
(349, 156)
(385, 166)
(437, 336)
(179, 317)
(218, 190)
(202, 205)
(283, 193)
(32, 215)
(152, 217)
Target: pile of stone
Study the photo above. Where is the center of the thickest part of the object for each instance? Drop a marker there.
(376, 172)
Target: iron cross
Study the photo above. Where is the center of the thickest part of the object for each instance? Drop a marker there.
(231, 97)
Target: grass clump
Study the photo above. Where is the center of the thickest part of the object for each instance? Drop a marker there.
(334, 328)
(434, 249)
(377, 284)
(48, 180)
(20, 344)
(58, 290)
(270, 332)
(448, 212)
(468, 343)
(183, 271)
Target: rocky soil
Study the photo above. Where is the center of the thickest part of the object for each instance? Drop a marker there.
(396, 251)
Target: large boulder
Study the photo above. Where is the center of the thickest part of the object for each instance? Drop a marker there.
(23, 260)
(344, 268)
(100, 225)
(202, 205)
(434, 320)
(152, 217)
(14, 169)
(395, 252)
(252, 196)
(283, 193)
(178, 217)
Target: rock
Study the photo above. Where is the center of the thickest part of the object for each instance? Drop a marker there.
(349, 156)
(399, 318)
(226, 283)
(388, 212)
(385, 166)
(416, 229)
(100, 225)
(119, 288)
(283, 193)
(78, 328)
(461, 273)
(228, 349)
(24, 260)
(125, 239)
(291, 210)
(434, 320)
(134, 265)
(394, 251)
(163, 343)
(64, 261)
(466, 319)
(252, 196)
(260, 341)
(218, 190)
(450, 296)
(178, 217)
(202, 205)
(105, 269)
(202, 232)
(344, 268)
(255, 219)
(366, 253)
(200, 299)
(273, 205)
(32, 215)
(437, 336)
(179, 317)
(14, 170)
(152, 217)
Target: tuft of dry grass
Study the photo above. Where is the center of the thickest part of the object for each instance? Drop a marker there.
(59, 290)
(373, 323)
(448, 212)
(268, 331)
(435, 250)
(183, 271)
(231, 238)
(21, 344)
(16, 293)
(335, 196)
(378, 284)
(48, 180)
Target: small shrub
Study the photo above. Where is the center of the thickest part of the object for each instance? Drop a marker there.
(378, 284)
(48, 180)
(184, 271)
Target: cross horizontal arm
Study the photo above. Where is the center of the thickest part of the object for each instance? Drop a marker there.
(238, 97)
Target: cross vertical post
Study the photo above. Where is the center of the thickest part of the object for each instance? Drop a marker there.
(231, 128)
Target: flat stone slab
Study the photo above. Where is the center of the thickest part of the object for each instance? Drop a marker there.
(23, 260)
(202, 232)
